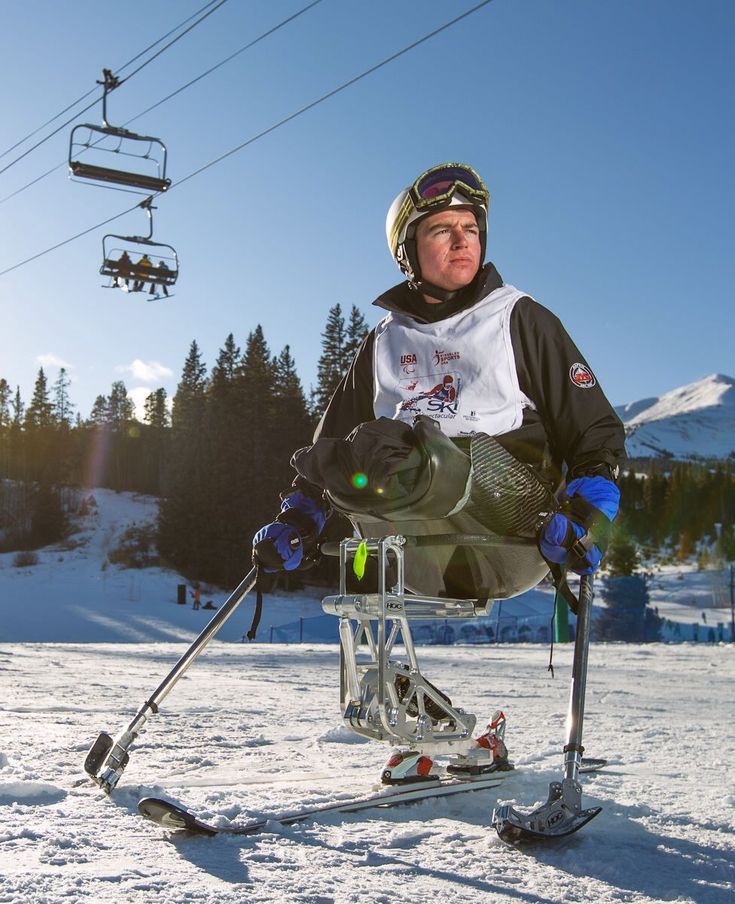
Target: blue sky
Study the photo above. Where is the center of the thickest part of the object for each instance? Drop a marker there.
(603, 129)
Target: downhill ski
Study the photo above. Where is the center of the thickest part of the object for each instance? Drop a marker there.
(169, 815)
(175, 817)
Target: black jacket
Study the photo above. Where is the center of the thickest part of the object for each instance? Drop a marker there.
(573, 425)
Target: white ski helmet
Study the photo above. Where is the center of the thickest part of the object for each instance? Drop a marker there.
(446, 185)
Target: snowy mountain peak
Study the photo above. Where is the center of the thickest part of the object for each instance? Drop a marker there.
(714, 390)
(692, 421)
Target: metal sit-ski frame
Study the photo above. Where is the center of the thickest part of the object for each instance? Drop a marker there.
(385, 696)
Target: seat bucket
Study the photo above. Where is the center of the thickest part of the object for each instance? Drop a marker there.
(431, 488)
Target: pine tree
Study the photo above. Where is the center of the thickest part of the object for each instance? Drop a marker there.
(155, 442)
(100, 413)
(226, 367)
(5, 422)
(17, 459)
(621, 558)
(626, 615)
(227, 425)
(293, 424)
(121, 410)
(258, 477)
(184, 511)
(155, 411)
(40, 411)
(62, 404)
(189, 399)
(62, 444)
(37, 439)
(5, 397)
(357, 329)
(18, 408)
(331, 366)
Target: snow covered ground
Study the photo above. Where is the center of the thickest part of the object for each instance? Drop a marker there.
(255, 728)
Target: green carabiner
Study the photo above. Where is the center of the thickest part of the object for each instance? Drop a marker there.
(360, 560)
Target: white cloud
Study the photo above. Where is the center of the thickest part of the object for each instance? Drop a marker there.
(146, 371)
(51, 360)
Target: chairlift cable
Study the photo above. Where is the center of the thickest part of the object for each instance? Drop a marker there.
(33, 181)
(69, 240)
(171, 43)
(167, 35)
(48, 122)
(225, 60)
(93, 90)
(342, 87)
(121, 82)
(267, 131)
(173, 94)
(50, 135)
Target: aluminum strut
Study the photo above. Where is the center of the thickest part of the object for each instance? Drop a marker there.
(562, 813)
(108, 757)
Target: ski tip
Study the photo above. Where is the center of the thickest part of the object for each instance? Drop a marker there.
(169, 815)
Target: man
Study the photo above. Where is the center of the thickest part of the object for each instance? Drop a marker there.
(478, 356)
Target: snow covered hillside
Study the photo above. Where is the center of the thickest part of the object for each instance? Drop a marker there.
(75, 594)
(256, 729)
(693, 420)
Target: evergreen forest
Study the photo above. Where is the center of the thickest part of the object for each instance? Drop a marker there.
(218, 453)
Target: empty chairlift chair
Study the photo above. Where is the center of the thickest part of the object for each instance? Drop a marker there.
(114, 156)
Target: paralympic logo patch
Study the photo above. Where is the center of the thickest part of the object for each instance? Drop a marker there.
(581, 376)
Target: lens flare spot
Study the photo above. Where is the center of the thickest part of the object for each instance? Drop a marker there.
(359, 480)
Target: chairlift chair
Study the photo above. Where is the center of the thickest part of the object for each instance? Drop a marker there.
(163, 272)
(115, 155)
(122, 256)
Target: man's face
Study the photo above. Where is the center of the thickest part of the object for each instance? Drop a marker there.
(448, 248)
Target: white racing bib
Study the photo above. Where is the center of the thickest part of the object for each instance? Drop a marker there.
(460, 371)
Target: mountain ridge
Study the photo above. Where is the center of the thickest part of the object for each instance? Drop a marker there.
(693, 421)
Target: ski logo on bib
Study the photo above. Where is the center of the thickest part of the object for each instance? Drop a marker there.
(581, 376)
(434, 394)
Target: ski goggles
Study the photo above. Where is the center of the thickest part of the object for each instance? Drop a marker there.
(437, 186)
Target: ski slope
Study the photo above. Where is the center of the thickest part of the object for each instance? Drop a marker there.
(255, 729)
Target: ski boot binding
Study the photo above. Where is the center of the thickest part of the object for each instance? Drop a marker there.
(407, 767)
(489, 753)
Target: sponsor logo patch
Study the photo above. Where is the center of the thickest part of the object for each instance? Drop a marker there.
(581, 376)
(441, 357)
(408, 363)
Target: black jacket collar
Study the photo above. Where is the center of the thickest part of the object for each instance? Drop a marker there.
(405, 300)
